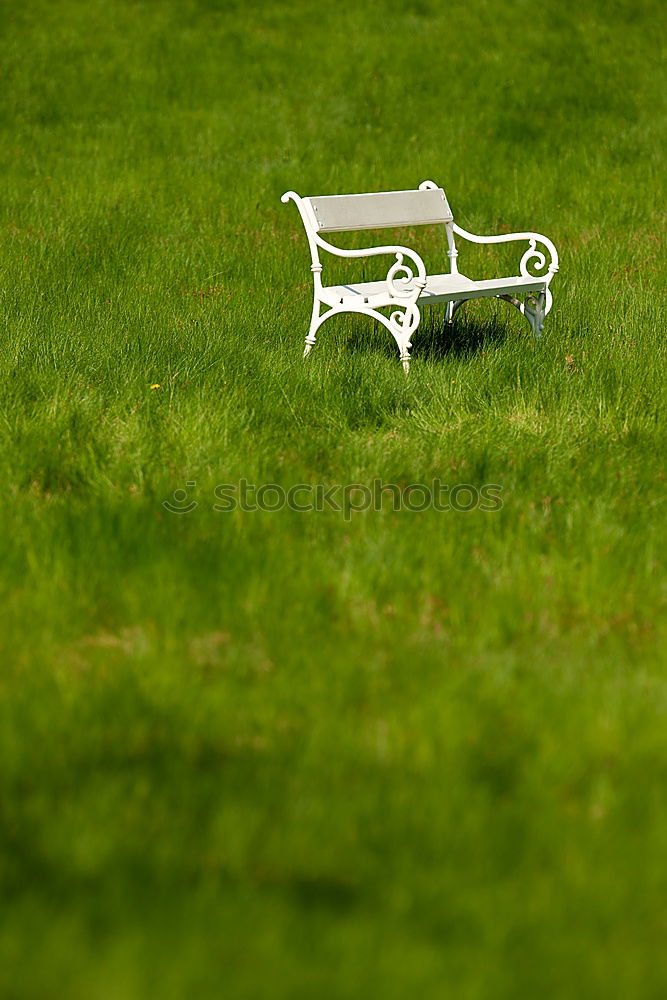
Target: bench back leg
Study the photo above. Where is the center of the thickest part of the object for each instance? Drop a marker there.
(533, 307)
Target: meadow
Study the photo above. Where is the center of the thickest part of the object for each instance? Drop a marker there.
(332, 754)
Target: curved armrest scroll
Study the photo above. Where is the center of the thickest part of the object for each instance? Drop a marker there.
(532, 257)
(403, 282)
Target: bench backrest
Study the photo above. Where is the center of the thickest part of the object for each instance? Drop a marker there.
(381, 210)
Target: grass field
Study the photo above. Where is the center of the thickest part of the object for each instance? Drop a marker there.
(337, 754)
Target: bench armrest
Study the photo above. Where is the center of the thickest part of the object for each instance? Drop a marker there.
(533, 257)
(402, 280)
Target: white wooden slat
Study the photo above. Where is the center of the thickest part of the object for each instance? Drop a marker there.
(381, 210)
(444, 288)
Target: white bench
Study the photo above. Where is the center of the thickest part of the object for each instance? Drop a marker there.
(407, 286)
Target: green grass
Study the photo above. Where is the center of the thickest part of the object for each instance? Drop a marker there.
(292, 755)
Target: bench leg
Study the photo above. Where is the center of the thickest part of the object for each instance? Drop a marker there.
(534, 308)
(451, 309)
(402, 326)
(314, 324)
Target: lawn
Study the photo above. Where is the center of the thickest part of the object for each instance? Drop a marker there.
(339, 753)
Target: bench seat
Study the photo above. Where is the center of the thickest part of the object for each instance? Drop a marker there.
(438, 288)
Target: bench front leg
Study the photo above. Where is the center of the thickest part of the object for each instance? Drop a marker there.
(405, 279)
(315, 320)
(402, 325)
